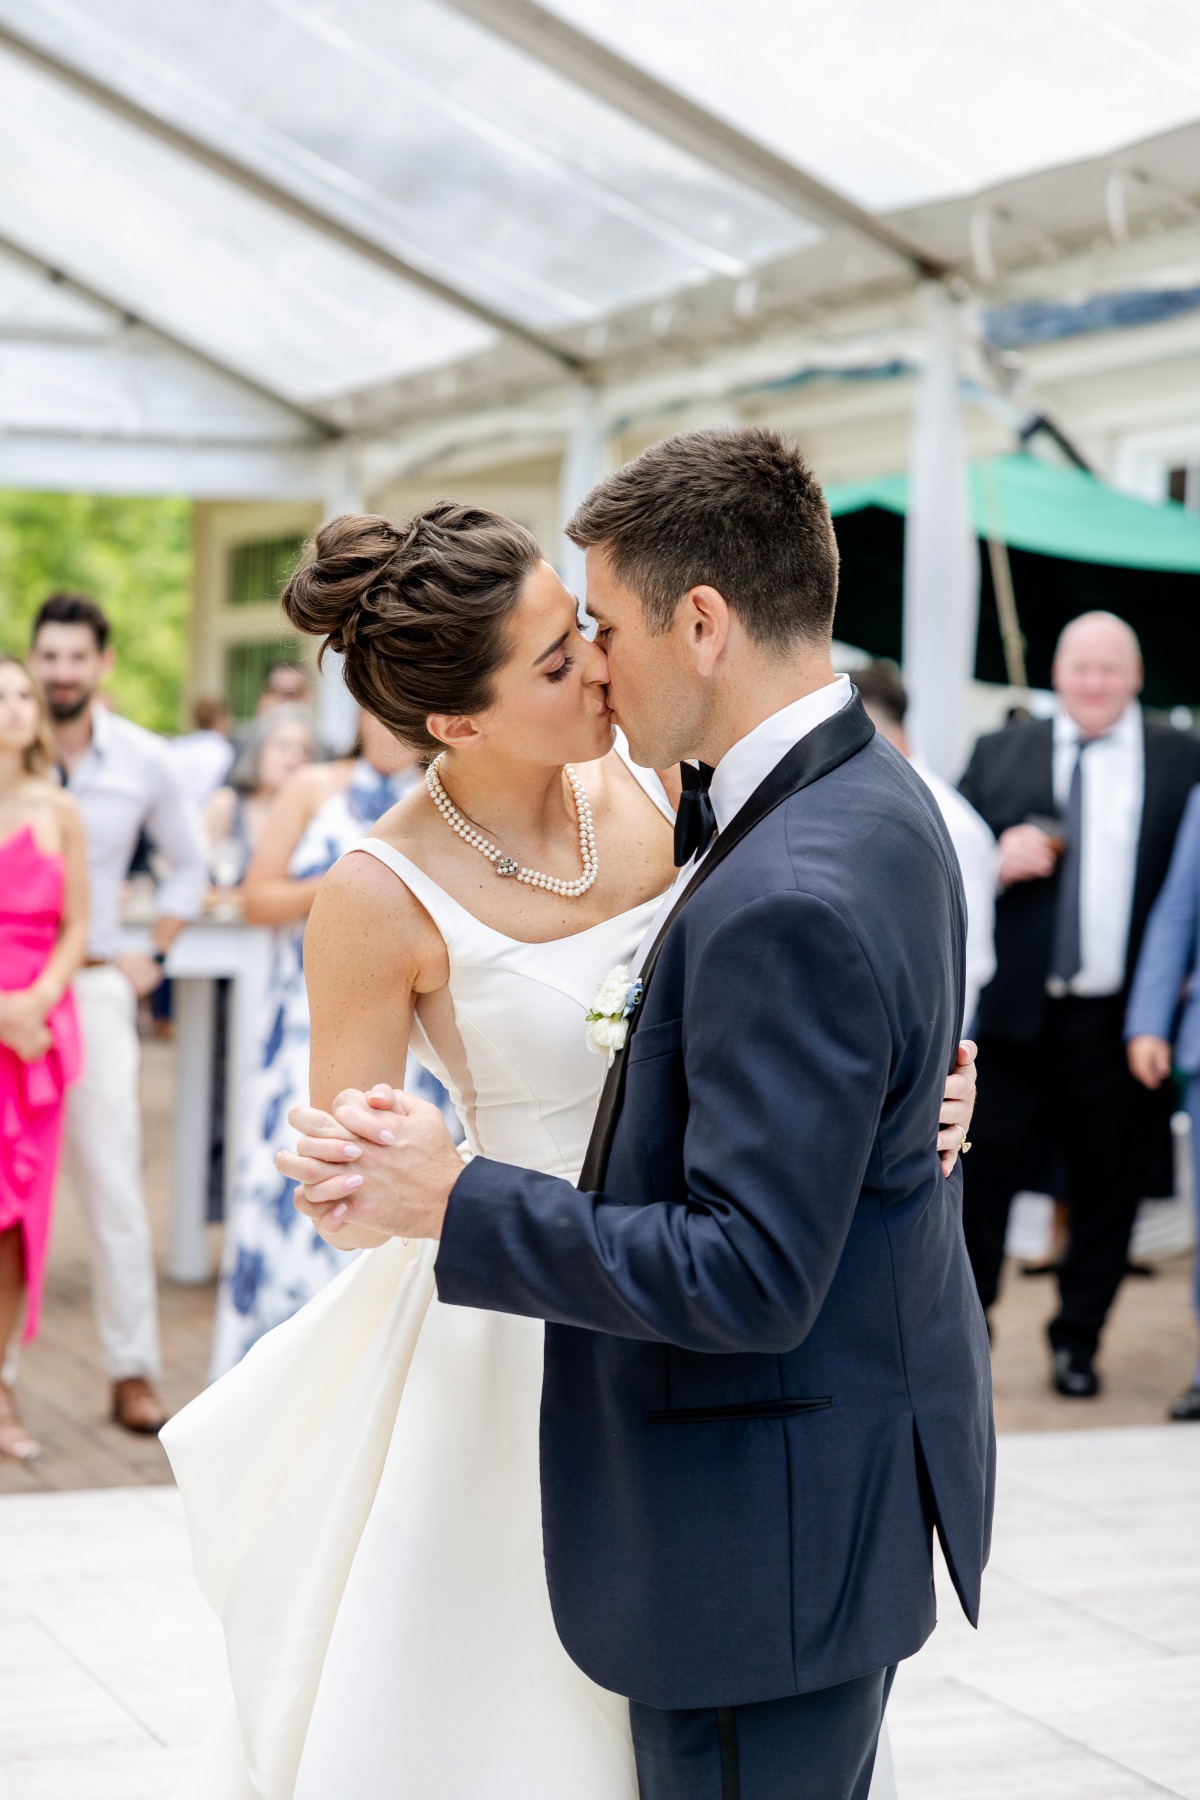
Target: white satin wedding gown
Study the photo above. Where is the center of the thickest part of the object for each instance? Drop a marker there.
(362, 1490)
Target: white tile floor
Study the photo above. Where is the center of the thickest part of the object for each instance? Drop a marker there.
(1083, 1683)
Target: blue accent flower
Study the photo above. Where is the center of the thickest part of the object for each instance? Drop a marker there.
(244, 1282)
(274, 1040)
(282, 1205)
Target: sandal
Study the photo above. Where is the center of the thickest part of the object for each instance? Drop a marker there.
(15, 1441)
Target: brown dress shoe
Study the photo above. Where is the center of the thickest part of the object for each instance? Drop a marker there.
(137, 1407)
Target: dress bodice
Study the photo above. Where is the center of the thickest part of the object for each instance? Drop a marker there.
(31, 904)
(506, 1034)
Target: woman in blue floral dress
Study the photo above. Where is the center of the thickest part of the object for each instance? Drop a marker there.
(273, 1260)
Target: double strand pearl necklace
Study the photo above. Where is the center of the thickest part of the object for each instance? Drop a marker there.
(507, 865)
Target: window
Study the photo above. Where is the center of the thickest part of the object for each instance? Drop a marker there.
(246, 668)
(258, 571)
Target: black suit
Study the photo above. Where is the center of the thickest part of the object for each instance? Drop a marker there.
(1057, 1066)
(766, 1370)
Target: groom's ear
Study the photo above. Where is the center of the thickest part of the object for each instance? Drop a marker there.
(704, 616)
(452, 729)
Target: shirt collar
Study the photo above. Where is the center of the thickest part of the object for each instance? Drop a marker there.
(751, 759)
(1125, 731)
(101, 728)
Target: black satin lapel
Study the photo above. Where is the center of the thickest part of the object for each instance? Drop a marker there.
(1149, 831)
(816, 755)
(1045, 803)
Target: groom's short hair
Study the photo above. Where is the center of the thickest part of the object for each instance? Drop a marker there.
(734, 508)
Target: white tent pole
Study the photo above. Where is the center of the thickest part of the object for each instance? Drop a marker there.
(941, 553)
(584, 463)
(337, 711)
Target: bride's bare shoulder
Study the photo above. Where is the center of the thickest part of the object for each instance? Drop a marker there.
(368, 910)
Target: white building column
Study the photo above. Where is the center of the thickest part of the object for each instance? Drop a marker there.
(337, 711)
(941, 554)
(584, 463)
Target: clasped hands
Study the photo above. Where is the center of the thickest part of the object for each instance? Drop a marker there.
(23, 1023)
(382, 1164)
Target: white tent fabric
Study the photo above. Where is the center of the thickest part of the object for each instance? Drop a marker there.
(358, 216)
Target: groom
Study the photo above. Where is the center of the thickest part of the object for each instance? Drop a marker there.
(767, 1376)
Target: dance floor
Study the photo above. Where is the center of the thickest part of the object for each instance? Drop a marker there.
(1081, 1685)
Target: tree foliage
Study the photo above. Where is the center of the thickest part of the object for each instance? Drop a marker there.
(133, 556)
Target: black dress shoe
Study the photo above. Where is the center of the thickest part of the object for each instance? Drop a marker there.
(1186, 1406)
(1074, 1377)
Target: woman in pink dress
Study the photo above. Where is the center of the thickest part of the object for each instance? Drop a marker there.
(43, 935)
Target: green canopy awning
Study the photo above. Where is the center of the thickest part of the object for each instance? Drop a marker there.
(1054, 511)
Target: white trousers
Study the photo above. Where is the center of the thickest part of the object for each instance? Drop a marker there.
(103, 1155)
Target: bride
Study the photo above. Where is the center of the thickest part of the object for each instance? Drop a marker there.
(362, 1490)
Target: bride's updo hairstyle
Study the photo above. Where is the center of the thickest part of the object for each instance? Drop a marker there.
(419, 611)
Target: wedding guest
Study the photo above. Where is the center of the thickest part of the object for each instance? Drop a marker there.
(43, 937)
(124, 781)
(273, 1259)
(1086, 807)
(1162, 1024)
(203, 755)
(886, 702)
(275, 745)
(284, 684)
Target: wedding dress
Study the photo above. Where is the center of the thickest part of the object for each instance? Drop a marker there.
(362, 1490)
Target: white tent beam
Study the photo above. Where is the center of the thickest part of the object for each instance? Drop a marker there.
(252, 181)
(85, 290)
(48, 463)
(601, 71)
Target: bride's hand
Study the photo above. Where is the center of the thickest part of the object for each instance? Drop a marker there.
(338, 1148)
(958, 1104)
(404, 1165)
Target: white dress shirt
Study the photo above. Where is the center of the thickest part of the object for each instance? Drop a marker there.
(125, 780)
(1114, 786)
(978, 858)
(203, 760)
(744, 767)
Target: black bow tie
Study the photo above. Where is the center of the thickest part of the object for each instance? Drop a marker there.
(695, 822)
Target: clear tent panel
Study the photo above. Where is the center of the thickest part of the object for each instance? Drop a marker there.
(468, 157)
(898, 105)
(162, 236)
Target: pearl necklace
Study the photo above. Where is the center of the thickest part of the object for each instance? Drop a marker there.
(507, 865)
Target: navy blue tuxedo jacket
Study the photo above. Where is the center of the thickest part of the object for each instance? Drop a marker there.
(767, 1374)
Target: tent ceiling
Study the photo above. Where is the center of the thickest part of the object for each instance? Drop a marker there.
(297, 190)
(900, 105)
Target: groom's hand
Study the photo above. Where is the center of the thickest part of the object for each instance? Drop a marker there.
(958, 1103)
(404, 1165)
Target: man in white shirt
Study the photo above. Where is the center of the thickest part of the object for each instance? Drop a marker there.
(1086, 808)
(124, 781)
(204, 756)
(886, 702)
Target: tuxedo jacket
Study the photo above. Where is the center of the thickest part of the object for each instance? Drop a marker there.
(766, 1375)
(1009, 779)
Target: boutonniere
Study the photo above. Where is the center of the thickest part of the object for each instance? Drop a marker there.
(617, 999)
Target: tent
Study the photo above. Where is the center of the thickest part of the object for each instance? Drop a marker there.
(287, 248)
(1073, 544)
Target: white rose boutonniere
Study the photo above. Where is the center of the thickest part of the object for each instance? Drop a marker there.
(617, 999)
